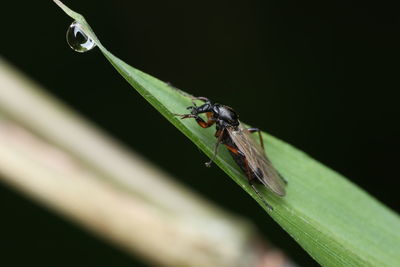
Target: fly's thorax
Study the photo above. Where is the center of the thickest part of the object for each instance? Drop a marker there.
(225, 115)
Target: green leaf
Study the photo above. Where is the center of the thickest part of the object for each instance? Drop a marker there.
(335, 221)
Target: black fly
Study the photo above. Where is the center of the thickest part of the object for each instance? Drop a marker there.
(247, 153)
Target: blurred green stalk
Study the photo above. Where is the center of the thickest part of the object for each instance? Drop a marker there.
(60, 160)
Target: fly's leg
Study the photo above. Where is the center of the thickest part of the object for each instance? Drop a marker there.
(219, 134)
(195, 111)
(201, 98)
(199, 120)
(253, 130)
(205, 124)
(259, 195)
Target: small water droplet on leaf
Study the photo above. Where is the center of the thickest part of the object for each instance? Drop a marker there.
(78, 39)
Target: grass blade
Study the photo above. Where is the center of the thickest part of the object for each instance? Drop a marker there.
(335, 221)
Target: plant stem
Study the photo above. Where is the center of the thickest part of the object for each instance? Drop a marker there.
(60, 160)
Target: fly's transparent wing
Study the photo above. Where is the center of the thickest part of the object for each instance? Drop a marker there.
(259, 164)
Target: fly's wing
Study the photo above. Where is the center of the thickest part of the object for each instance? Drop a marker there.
(259, 164)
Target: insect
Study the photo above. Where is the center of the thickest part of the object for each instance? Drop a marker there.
(248, 154)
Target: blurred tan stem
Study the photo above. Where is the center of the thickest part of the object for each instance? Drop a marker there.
(57, 158)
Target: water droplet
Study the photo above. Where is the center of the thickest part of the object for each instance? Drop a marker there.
(77, 38)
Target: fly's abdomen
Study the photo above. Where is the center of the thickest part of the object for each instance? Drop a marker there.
(240, 160)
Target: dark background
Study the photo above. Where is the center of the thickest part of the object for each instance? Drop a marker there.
(321, 76)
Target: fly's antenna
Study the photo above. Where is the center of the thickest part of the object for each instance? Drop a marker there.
(259, 195)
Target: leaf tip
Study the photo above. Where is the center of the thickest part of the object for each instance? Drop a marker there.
(60, 4)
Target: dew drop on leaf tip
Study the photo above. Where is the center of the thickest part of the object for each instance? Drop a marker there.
(77, 39)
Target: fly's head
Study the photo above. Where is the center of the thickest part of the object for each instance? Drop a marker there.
(196, 110)
(224, 116)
